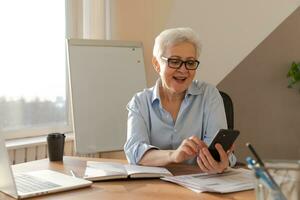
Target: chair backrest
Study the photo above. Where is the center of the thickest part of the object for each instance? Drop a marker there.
(228, 104)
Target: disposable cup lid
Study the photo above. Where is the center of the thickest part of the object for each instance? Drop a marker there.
(55, 135)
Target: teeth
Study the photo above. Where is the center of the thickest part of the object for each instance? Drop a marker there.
(180, 78)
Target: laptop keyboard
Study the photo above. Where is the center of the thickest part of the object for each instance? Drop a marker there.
(27, 183)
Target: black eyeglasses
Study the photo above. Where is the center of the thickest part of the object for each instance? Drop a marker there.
(177, 63)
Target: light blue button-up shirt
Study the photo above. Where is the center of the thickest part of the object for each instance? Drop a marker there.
(150, 126)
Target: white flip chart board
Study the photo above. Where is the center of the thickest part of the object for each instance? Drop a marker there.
(104, 75)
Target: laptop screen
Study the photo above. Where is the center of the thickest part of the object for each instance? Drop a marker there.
(7, 182)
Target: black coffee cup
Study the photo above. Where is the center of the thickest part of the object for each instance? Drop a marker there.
(56, 143)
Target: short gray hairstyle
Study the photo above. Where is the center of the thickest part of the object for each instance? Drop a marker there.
(174, 36)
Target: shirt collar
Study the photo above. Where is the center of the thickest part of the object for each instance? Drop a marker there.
(155, 94)
(194, 89)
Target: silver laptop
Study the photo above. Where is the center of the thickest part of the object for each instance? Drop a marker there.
(35, 183)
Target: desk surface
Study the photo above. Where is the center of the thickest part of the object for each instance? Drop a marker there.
(130, 189)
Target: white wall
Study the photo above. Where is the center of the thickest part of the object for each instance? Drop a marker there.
(230, 29)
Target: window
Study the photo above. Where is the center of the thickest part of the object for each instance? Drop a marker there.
(33, 85)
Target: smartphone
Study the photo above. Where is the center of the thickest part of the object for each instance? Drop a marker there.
(226, 138)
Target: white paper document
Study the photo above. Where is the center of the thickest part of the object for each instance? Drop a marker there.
(232, 180)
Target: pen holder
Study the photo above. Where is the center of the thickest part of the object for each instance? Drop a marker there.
(287, 176)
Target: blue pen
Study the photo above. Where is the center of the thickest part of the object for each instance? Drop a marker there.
(259, 173)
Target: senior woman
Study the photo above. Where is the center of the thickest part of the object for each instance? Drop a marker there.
(178, 117)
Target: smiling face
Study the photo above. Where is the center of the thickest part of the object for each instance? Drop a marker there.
(176, 81)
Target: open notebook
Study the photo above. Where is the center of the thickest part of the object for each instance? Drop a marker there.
(97, 171)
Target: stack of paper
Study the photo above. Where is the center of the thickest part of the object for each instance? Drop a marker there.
(232, 180)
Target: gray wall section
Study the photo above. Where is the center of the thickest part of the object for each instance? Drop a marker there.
(266, 112)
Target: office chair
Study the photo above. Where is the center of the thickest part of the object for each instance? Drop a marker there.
(228, 104)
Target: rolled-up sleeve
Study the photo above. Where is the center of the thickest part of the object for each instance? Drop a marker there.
(137, 133)
(232, 160)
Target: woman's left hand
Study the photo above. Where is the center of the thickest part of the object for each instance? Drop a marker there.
(208, 164)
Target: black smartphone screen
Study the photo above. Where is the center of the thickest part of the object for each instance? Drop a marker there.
(224, 137)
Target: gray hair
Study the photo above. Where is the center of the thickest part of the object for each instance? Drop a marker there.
(174, 36)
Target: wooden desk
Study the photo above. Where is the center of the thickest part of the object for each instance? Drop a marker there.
(123, 189)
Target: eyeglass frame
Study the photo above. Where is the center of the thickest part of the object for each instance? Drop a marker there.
(182, 62)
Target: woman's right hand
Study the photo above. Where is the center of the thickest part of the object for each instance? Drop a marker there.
(188, 149)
